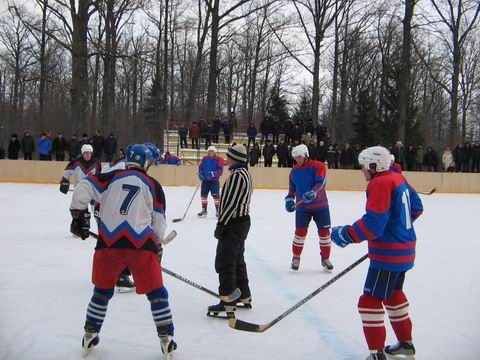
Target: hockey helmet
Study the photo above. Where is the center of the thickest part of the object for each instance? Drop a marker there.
(138, 155)
(377, 155)
(212, 148)
(155, 152)
(300, 150)
(87, 148)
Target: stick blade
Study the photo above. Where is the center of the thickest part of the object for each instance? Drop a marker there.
(246, 326)
(433, 190)
(176, 220)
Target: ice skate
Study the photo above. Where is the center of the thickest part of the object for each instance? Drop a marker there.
(245, 303)
(295, 263)
(168, 346)
(222, 310)
(377, 356)
(327, 265)
(90, 339)
(404, 348)
(202, 213)
(124, 284)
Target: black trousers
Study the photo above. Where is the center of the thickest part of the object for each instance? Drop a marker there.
(229, 262)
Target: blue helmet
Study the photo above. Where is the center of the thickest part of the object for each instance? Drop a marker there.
(155, 152)
(138, 155)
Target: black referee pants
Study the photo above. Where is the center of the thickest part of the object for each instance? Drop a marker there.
(229, 261)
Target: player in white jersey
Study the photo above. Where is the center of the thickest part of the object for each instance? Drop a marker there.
(132, 222)
(80, 167)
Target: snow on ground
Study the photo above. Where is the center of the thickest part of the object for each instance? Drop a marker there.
(45, 284)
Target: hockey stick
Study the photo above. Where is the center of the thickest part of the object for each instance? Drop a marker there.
(175, 275)
(429, 192)
(246, 326)
(188, 207)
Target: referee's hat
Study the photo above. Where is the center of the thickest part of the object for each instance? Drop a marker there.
(238, 153)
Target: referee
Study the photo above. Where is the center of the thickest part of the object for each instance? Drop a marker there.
(231, 231)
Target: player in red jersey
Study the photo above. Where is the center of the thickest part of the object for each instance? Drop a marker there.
(392, 207)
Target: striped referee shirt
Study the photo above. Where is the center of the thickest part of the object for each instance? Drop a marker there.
(236, 195)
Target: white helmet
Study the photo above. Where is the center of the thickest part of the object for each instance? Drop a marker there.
(87, 148)
(212, 148)
(300, 150)
(377, 155)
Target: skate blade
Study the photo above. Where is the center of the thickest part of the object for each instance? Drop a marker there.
(327, 270)
(244, 306)
(121, 289)
(220, 315)
(400, 357)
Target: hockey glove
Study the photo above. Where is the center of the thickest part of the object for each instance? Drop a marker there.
(201, 176)
(309, 196)
(64, 185)
(290, 204)
(219, 230)
(80, 223)
(210, 175)
(340, 236)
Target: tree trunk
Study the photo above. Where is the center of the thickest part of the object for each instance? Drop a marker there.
(43, 68)
(212, 69)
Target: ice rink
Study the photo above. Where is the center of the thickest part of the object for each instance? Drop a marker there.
(45, 284)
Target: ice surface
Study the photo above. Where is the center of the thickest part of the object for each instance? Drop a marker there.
(45, 284)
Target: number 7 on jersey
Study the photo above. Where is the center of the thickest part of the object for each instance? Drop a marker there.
(133, 191)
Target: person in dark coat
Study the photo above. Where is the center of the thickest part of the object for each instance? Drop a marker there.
(276, 127)
(320, 131)
(468, 157)
(476, 158)
(14, 147)
(399, 152)
(331, 157)
(73, 148)
(28, 146)
(264, 130)
(430, 160)
(110, 147)
(227, 130)
(98, 144)
(410, 158)
(346, 157)
(282, 153)
(59, 146)
(459, 157)
(309, 127)
(312, 149)
(251, 134)
(216, 125)
(207, 135)
(254, 155)
(288, 129)
(321, 152)
(182, 134)
(2, 152)
(268, 153)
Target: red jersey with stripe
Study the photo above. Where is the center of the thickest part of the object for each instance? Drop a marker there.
(312, 175)
(133, 208)
(392, 207)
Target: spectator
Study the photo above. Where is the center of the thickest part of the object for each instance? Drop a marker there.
(121, 154)
(309, 127)
(254, 155)
(203, 127)
(321, 131)
(328, 139)
(73, 148)
(476, 158)
(312, 149)
(251, 134)
(28, 146)
(110, 147)
(268, 153)
(217, 124)
(2, 152)
(14, 147)
(85, 140)
(297, 133)
(419, 158)
(356, 152)
(264, 126)
(207, 135)
(410, 158)
(447, 159)
(346, 157)
(276, 127)
(59, 146)
(399, 152)
(44, 145)
(227, 130)
(321, 152)
(182, 134)
(430, 160)
(468, 157)
(288, 129)
(459, 157)
(194, 133)
(282, 153)
(331, 157)
(98, 145)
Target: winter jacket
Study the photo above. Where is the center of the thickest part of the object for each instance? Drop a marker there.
(28, 144)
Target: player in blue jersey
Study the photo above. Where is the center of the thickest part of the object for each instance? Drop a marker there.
(392, 207)
(307, 195)
(209, 172)
(132, 224)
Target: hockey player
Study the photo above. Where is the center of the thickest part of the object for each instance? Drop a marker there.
(392, 207)
(307, 195)
(80, 167)
(231, 232)
(209, 172)
(124, 283)
(132, 223)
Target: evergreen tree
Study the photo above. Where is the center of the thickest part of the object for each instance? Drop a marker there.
(277, 108)
(367, 124)
(304, 107)
(154, 124)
